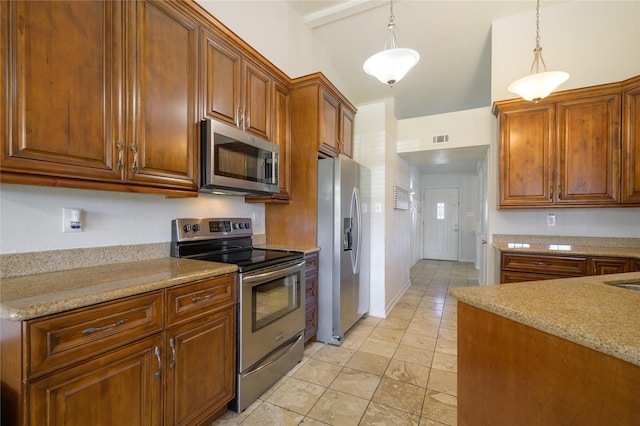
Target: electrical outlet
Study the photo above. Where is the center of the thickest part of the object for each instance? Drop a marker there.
(551, 219)
(71, 220)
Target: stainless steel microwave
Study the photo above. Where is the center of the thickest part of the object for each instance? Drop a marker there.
(236, 163)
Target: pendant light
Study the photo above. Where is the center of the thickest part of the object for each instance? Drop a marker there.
(538, 85)
(392, 63)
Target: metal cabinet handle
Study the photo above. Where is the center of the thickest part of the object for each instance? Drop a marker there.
(119, 162)
(172, 344)
(157, 352)
(92, 330)
(196, 299)
(134, 165)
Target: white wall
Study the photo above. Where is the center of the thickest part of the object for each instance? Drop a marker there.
(375, 147)
(465, 129)
(31, 217)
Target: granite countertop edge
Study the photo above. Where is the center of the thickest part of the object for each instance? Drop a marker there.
(629, 252)
(600, 316)
(37, 295)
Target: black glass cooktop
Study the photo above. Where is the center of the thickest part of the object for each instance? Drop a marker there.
(251, 259)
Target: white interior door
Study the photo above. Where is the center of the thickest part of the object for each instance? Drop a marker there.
(440, 213)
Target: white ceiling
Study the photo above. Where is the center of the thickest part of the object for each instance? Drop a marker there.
(453, 38)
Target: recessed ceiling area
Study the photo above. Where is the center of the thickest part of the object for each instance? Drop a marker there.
(452, 160)
(454, 72)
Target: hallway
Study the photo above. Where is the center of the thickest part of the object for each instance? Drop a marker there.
(401, 370)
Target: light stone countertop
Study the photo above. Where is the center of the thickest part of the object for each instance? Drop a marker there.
(568, 250)
(32, 296)
(568, 245)
(583, 310)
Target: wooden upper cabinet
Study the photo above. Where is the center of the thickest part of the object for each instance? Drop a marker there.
(328, 143)
(237, 90)
(61, 88)
(346, 131)
(526, 156)
(589, 150)
(100, 95)
(576, 148)
(163, 128)
(631, 142)
(221, 79)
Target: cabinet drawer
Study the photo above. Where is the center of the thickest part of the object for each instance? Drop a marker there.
(59, 340)
(549, 265)
(199, 298)
(311, 262)
(507, 277)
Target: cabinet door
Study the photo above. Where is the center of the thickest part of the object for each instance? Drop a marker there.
(526, 157)
(61, 88)
(161, 151)
(329, 124)
(589, 151)
(201, 368)
(346, 131)
(257, 101)
(123, 387)
(221, 79)
(281, 135)
(610, 265)
(631, 145)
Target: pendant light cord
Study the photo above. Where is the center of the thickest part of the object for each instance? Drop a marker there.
(537, 52)
(391, 43)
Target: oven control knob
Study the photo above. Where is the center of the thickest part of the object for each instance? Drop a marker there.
(195, 227)
(186, 228)
(247, 225)
(236, 226)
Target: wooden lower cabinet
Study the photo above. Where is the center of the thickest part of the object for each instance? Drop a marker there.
(610, 265)
(510, 373)
(201, 369)
(311, 298)
(120, 388)
(164, 357)
(519, 267)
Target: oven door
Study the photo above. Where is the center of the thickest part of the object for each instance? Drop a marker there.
(271, 310)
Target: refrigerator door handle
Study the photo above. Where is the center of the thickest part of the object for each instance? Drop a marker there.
(355, 212)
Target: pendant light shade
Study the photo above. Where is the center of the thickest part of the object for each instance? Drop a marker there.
(392, 63)
(540, 83)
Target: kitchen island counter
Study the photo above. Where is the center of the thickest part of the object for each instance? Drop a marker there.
(584, 310)
(32, 296)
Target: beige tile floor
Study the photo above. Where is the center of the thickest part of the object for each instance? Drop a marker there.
(401, 370)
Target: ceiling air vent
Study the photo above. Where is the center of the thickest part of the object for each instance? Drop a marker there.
(441, 139)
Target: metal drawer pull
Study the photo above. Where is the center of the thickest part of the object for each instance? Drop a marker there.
(200, 298)
(542, 263)
(157, 352)
(172, 343)
(91, 330)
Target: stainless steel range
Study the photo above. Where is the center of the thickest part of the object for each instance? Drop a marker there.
(271, 299)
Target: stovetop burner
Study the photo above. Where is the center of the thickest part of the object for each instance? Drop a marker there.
(224, 240)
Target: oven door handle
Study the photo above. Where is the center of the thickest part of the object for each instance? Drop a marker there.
(268, 276)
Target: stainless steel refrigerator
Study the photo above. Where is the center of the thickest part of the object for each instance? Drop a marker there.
(343, 238)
